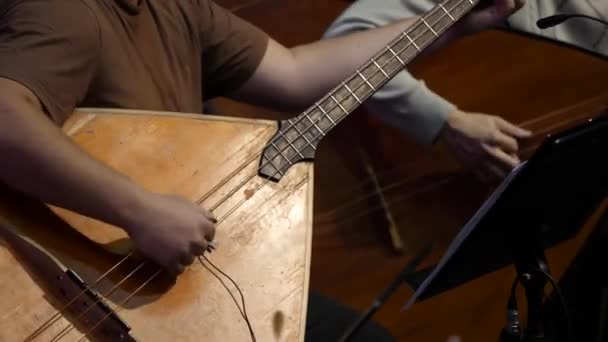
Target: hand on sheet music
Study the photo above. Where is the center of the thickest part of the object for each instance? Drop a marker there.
(485, 143)
(490, 16)
(170, 230)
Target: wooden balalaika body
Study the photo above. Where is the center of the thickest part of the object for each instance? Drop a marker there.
(264, 244)
(68, 277)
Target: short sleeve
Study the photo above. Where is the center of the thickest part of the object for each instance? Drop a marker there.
(232, 49)
(50, 47)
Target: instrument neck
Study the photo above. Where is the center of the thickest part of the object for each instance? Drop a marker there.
(298, 137)
(383, 66)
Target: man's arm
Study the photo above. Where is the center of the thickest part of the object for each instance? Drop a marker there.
(38, 159)
(292, 79)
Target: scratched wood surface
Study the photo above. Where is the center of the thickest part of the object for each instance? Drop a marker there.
(264, 245)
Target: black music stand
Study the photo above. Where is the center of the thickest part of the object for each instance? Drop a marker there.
(544, 201)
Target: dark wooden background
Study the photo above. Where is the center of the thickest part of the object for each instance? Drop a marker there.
(538, 84)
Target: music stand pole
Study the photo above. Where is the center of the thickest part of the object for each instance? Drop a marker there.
(385, 294)
(532, 271)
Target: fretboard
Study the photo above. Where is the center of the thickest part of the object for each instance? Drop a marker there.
(298, 137)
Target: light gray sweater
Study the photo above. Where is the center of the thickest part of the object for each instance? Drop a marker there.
(408, 103)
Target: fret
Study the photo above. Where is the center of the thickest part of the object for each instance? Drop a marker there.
(446, 12)
(395, 55)
(339, 105)
(365, 80)
(411, 41)
(280, 151)
(278, 169)
(331, 120)
(429, 26)
(471, 1)
(314, 123)
(380, 68)
(351, 93)
(301, 134)
(326, 114)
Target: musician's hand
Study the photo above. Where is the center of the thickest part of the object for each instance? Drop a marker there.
(171, 230)
(490, 16)
(485, 143)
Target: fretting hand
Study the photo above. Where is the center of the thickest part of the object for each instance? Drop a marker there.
(485, 143)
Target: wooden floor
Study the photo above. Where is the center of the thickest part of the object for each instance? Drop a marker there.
(528, 82)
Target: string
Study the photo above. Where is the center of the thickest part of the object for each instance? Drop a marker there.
(402, 198)
(524, 124)
(243, 311)
(329, 213)
(418, 24)
(118, 307)
(69, 328)
(57, 314)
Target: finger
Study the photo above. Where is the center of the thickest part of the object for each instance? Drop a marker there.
(500, 156)
(209, 215)
(198, 248)
(208, 230)
(186, 259)
(512, 129)
(505, 142)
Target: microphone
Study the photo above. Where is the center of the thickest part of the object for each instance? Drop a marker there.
(559, 18)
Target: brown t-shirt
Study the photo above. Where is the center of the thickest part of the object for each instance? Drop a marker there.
(138, 54)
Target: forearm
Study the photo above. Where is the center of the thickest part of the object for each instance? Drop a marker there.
(324, 64)
(39, 160)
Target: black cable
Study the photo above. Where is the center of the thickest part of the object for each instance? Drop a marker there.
(512, 304)
(242, 311)
(562, 300)
(557, 19)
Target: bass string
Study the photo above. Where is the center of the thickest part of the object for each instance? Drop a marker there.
(118, 307)
(253, 175)
(329, 213)
(70, 327)
(57, 314)
(242, 311)
(356, 213)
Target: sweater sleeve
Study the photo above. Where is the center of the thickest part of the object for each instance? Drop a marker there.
(404, 101)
